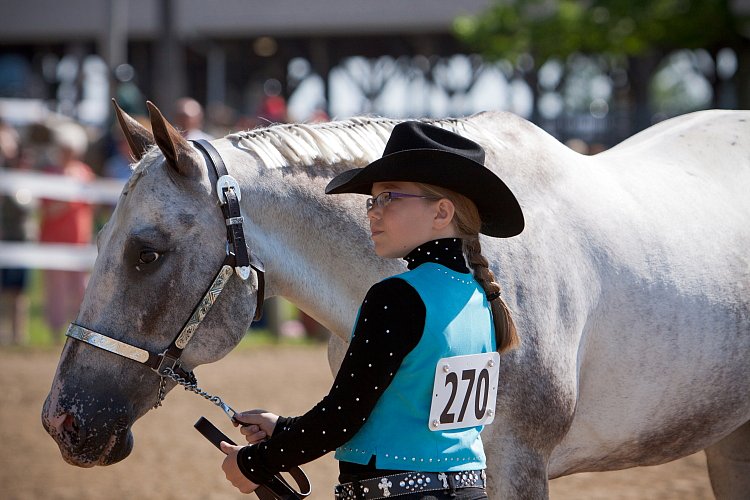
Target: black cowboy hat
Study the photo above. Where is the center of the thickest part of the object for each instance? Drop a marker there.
(418, 152)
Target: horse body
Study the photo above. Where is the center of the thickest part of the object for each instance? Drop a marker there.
(664, 227)
(629, 286)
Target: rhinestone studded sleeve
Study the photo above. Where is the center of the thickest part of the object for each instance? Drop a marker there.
(390, 325)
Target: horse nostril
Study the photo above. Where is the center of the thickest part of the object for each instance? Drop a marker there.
(69, 425)
(67, 428)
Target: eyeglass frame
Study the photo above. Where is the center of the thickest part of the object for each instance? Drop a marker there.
(372, 201)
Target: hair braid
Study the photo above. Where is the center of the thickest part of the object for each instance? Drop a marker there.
(468, 223)
(505, 328)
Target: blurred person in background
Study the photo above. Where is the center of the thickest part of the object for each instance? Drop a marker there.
(14, 226)
(273, 109)
(70, 222)
(188, 117)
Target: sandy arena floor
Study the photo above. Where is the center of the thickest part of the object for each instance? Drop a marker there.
(172, 461)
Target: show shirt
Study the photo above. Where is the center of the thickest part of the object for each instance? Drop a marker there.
(390, 325)
(397, 434)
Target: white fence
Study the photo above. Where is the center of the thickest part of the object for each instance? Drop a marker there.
(27, 186)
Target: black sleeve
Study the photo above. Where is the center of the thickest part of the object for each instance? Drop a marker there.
(390, 324)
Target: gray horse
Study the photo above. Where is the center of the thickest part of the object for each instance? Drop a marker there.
(630, 287)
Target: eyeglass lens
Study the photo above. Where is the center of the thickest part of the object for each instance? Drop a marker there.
(380, 200)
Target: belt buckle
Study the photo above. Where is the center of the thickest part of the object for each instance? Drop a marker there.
(468, 478)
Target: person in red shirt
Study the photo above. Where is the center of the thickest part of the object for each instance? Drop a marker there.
(69, 222)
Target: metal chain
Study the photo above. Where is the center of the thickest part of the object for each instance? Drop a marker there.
(162, 392)
(192, 387)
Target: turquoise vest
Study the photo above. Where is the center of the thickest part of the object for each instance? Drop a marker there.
(458, 322)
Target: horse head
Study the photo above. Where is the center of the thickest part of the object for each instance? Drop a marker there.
(157, 255)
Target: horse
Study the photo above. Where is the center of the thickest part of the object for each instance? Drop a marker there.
(629, 286)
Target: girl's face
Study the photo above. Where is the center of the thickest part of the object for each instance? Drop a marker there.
(405, 223)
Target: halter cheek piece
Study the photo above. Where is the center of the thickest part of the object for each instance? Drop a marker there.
(238, 260)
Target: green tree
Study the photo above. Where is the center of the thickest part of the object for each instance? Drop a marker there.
(638, 32)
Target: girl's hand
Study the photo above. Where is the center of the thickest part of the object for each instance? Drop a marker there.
(232, 470)
(257, 425)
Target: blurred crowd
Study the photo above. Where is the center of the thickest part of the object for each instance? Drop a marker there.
(64, 147)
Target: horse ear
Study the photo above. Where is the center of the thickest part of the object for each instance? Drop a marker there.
(138, 137)
(176, 149)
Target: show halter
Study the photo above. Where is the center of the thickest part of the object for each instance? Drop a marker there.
(238, 260)
(167, 364)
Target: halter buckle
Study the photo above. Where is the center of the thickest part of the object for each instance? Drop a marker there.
(227, 182)
(166, 364)
(243, 272)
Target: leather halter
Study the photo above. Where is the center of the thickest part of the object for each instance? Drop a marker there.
(238, 259)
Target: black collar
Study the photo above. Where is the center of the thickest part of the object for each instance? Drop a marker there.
(445, 251)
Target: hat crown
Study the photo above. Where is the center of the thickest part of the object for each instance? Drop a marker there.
(414, 135)
(419, 152)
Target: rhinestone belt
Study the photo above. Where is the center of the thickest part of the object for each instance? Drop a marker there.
(409, 482)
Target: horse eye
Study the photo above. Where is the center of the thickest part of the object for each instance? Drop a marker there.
(148, 257)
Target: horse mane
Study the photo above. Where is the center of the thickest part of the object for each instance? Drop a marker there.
(354, 142)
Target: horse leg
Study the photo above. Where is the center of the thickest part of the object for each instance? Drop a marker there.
(535, 410)
(520, 474)
(729, 465)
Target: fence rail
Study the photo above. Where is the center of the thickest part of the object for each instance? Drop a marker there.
(28, 186)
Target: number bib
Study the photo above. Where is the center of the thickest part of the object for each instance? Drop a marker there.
(465, 391)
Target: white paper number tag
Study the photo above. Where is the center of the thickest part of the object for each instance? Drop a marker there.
(465, 391)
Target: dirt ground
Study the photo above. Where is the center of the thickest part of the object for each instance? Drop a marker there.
(171, 460)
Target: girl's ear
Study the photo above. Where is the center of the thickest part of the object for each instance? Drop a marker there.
(444, 214)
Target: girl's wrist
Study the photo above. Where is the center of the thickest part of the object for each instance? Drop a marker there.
(283, 424)
(250, 466)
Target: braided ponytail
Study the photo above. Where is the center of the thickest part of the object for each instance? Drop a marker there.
(505, 328)
(468, 223)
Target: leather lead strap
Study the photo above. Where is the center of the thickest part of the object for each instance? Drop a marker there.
(279, 489)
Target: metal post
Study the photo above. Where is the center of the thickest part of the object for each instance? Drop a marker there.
(217, 74)
(114, 41)
(170, 61)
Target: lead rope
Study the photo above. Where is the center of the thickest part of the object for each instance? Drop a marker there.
(191, 387)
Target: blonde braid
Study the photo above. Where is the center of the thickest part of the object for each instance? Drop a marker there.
(505, 329)
(468, 223)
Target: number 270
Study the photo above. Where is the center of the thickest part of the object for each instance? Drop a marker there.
(480, 395)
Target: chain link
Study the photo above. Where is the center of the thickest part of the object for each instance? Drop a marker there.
(162, 392)
(192, 387)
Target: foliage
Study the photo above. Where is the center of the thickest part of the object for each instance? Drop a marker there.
(547, 29)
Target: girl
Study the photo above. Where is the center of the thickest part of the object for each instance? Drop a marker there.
(431, 196)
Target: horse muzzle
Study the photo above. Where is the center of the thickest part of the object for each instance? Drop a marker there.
(88, 438)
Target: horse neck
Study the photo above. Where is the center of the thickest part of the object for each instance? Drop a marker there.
(316, 249)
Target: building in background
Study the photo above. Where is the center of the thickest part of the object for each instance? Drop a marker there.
(251, 63)
(340, 57)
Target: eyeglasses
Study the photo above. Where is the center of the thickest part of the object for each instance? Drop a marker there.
(383, 199)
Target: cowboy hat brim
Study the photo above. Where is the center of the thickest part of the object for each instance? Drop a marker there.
(499, 210)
